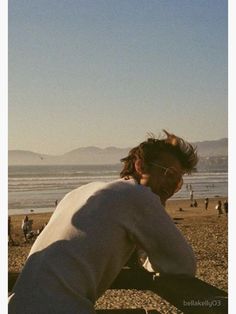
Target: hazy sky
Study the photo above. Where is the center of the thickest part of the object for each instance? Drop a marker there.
(105, 73)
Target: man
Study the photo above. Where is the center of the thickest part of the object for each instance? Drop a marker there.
(25, 226)
(225, 204)
(98, 226)
(191, 198)
(206, 203)
(10, 240)
(219, 208)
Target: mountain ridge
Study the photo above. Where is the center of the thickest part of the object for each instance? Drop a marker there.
(109, 155)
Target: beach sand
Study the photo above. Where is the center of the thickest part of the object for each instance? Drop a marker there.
(204, 230)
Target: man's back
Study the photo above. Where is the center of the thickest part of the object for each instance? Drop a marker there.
(88, 239)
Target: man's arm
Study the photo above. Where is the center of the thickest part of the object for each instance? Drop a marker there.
(155, 232)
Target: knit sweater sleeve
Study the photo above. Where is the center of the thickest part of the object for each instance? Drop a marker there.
(155, 232)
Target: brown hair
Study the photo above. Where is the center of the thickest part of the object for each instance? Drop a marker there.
(150, 150)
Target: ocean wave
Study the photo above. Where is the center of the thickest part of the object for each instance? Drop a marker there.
(39, 187)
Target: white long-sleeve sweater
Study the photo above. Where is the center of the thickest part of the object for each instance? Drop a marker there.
(89, 238)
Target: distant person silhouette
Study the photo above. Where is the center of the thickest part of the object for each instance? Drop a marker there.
(25, 226)
(219, 208)
(191, 198)
(206, 203)
(10, 240)
(225, 205)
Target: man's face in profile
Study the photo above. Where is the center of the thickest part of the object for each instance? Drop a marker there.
(165, 176)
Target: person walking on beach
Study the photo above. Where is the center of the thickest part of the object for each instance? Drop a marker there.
(10, 240)
(225, 205)
(98, 226)
(191, 198)
(206, 203)
(25, 226)
(219, 208)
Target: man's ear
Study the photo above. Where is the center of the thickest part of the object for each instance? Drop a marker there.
(139, 166)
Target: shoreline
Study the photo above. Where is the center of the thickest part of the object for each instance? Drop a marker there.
(172, 203)
(22, 211)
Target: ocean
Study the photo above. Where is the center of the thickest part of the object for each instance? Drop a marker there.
(36, 188)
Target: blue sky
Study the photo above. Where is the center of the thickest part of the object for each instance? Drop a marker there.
(105, 73)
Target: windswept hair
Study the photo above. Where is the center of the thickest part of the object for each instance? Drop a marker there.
(150, 150)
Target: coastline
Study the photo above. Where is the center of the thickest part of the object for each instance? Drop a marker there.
(171, 204)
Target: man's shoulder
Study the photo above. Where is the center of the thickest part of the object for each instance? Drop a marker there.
(130, 189)
(122, 185)
(120, 188)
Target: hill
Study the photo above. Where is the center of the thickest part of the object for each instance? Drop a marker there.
(213, 152)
